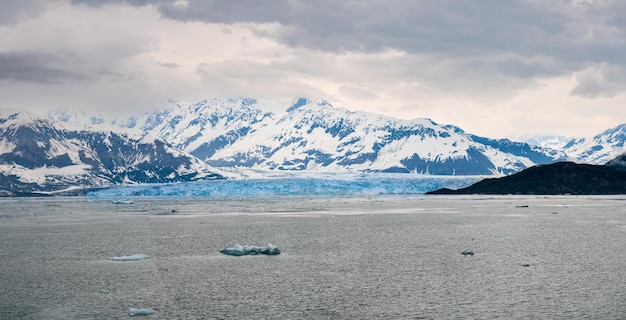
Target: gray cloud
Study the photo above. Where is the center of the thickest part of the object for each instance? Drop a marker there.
(455, 27)
(168, 64)
(246, 78)
(569, 30)
(600, 81)
(358, 93)
(460, 57)
(39, 67)
(13, 11)
(518, 39)
(52, 67)
(100, 3)
(539, 38)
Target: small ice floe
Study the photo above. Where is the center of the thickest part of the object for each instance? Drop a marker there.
(239, 250)
(122, 201)
(134, 257)
(467, 253)
(140, 311)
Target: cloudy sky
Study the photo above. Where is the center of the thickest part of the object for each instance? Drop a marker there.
(494, 68)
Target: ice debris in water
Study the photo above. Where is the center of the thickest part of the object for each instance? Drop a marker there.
(239, 250)
(122, 201)
(140, 311)
(134, 257)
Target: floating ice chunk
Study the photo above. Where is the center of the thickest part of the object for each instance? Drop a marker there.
(122, 201)
(140, 311)
(270, 249)
(134, 257)
(239, 250)
(252, 250)
(236, 250)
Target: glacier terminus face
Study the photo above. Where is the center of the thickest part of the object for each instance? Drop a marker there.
(318, 184)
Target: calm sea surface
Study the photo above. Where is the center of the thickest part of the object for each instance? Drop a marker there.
(342, 258)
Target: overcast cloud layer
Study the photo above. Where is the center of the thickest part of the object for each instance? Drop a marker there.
(494, 68)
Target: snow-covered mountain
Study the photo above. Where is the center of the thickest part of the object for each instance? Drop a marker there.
(546, 141)
(41, 155)
(204, 127)
(598, 149)
(315, 136)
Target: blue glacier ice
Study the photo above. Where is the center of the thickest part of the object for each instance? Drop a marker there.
(296, 185)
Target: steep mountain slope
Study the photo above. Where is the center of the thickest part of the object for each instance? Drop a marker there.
(593, 150)
(599, 149)
(314, 135)
(42, 155)
(546, 141)
(618, 163)
(204, 127)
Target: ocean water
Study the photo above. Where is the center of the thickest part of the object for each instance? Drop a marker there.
(366, 257)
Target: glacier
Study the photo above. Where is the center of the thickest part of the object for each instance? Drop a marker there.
(335, 184)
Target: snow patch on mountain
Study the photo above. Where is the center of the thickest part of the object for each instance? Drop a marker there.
(42, 174)
(79, 118)
(546, 141)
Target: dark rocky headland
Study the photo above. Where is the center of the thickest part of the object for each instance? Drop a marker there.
(559, 178)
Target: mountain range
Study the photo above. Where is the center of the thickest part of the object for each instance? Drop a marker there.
(598, 149)
(43, 156)
(313, 135)
(61, 150)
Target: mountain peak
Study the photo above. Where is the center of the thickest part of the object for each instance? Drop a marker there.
(301, 102)
(77, 118)
(20, 118)
(619, 130)
(239, 101)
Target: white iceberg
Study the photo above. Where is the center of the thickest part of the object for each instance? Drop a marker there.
(134, 257)
(140, 311)
(239, 250)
